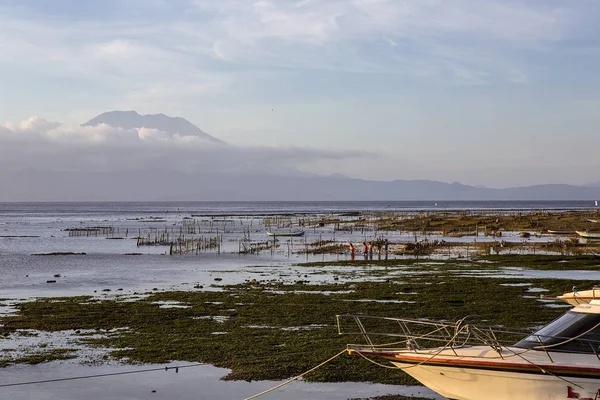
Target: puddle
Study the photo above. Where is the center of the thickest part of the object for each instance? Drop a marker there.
(323, 292)
(383, 301)
(515, 284)
(261, 327)
(217, 318)
(558, 305)
(536, 290)
(171, 304)
(304, 327)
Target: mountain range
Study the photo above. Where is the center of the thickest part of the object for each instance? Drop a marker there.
(163, 185)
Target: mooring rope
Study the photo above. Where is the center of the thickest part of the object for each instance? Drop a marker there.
(448, 344)
(296, 377)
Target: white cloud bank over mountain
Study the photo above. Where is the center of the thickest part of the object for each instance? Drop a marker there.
(38, 144)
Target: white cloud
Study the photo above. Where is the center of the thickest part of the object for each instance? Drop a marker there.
(33, 124)
(299, 34)
(43, 145)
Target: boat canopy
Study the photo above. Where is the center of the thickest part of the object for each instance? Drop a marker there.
(574, 332)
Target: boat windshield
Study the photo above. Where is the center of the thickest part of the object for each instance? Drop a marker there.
(573, 332)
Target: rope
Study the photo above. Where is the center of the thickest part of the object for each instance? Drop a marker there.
(373, 361)
(545, 371)
(296, 377)
(458, 331)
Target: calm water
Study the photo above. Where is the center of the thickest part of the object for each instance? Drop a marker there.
(257, 208)
(29, 228)
(201, 382)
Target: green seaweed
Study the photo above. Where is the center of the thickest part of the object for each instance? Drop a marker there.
(267, 333)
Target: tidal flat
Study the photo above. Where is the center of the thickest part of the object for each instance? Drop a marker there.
(266, 329)
(195, 287)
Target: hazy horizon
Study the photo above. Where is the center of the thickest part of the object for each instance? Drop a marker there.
(486, 94)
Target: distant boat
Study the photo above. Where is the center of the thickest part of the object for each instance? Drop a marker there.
(596, 221)
(589, 235)
(288, 233)
(559, 232)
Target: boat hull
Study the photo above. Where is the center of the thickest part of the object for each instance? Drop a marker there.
(588, 235)
(286, 234)
(483, 373)
(463, 383)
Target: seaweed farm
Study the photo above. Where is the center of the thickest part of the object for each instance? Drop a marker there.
(212, 297)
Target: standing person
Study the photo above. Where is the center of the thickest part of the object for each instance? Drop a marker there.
(379, 246)
(386, 245)
(352, 251)
(365, 250)
(371, 250)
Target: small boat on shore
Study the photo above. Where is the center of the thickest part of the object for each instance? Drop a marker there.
(286, 233)
(588, 235)
(560, 232)
(462, 361)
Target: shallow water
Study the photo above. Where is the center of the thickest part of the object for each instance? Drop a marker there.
(199, 382)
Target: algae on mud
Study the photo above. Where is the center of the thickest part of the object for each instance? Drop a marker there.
(273, 330)
(524, 261)
(39, 356)
(460, 222)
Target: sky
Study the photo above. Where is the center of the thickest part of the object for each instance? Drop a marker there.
(486, 93)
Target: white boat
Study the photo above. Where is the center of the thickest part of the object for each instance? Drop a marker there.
(588, 235)
(286, 233)
(459, 361)
(560, 232)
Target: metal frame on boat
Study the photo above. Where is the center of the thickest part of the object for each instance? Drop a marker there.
(463, 361)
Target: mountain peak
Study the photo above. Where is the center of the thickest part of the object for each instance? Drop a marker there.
(133, 120)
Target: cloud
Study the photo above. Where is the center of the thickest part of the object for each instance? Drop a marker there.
(150, 43)
(33, 124)
(37, 144)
